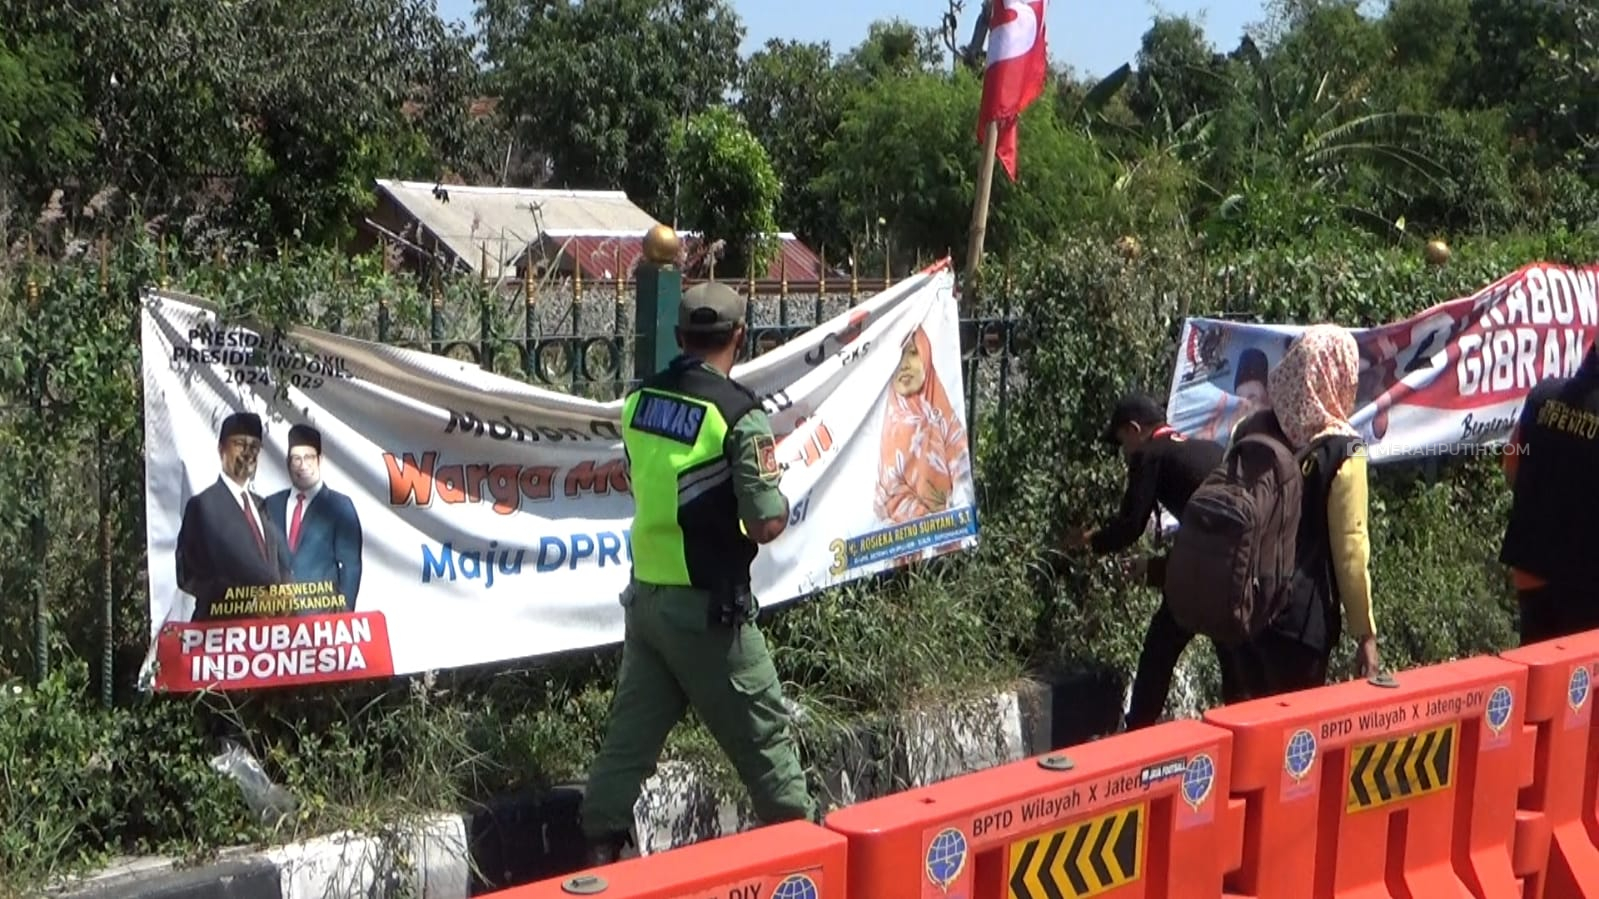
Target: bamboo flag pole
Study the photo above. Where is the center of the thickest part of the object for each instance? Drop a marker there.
(985, 182)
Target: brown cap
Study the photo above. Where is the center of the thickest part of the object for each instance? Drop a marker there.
(710, 308)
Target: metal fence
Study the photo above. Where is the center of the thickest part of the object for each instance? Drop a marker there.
(72, 548)
(578, 337)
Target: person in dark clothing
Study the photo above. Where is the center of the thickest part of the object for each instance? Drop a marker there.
(1312, 396)
(1162, 467)
(1551, 463)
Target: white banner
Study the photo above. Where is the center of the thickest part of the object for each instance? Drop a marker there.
(459, 517)
(1447, 380)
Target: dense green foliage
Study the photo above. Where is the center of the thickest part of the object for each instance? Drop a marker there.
(1293, 176)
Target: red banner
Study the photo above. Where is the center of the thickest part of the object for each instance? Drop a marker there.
(277, 652)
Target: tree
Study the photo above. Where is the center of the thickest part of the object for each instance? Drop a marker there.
(598, 85)
(903, 167)
(726, 188)
(43, 135)
(274, 115)
(792, 98)
(1179, 75)
(893, 47)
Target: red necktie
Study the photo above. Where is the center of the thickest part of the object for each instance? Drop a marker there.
(255, 529)
(294, 526)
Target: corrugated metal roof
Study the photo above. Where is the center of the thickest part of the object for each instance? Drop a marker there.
(600, 230)
(601, 255)
(500, 222)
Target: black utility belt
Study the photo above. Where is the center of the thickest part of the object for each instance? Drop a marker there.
(731, 604)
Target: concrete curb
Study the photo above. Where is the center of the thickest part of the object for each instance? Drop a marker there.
(425, 859)
(526, 837)
(245, 878)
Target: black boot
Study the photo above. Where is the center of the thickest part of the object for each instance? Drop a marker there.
(605, 850)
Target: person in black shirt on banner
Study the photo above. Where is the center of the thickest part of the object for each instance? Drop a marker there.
(1162, 466)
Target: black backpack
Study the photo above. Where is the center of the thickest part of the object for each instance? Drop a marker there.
(1232, 563)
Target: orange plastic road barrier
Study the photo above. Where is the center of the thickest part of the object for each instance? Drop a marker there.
(1559, 807)
(1401, 787)
(797, 860)
(1143, 814)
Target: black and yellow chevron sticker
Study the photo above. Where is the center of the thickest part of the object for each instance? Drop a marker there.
(1082, 859)
(1402, 768)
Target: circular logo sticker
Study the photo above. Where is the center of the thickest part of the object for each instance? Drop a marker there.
(1577, 688)
(1500, 702)
(1300, 756)
(796, 886)
(1198, 780)
(946, 857)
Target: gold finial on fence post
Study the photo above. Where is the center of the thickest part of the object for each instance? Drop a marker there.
(752, 271)
(821, 272)
(620, 311)
(888, 267)
(577, 280)
(438, 278)
(161, 261)
(105, 265)
(854, 274)
(782, 273)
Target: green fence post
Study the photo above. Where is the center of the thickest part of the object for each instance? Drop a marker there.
(660, 291)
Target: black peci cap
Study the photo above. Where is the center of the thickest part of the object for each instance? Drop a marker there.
(1134, 408)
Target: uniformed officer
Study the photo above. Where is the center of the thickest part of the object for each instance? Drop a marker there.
(1552, 461)
(705, 489)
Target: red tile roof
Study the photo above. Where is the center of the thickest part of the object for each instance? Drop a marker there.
(601, 256)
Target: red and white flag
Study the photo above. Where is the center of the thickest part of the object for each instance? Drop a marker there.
(1018, 64)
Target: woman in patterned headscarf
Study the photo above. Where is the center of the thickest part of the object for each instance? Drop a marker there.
(1312, 396)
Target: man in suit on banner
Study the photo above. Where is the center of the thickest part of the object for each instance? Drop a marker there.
(225, 549)
(319, 523)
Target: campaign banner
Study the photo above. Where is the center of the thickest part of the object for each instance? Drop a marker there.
(1449, 380)
(389, 511)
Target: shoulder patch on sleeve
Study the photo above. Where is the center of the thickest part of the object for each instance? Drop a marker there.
(766, 455)
(1358, 448)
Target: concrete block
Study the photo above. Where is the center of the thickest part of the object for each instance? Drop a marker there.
(961, 737)
(426, 859)
(242, 878)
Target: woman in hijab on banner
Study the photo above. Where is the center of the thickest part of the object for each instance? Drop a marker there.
(925, 462)
(1312, 397)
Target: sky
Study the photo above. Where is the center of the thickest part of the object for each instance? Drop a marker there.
(1092, 36)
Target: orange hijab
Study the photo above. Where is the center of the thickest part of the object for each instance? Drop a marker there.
(923, 441)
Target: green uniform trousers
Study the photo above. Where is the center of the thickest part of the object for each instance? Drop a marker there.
(673, 658)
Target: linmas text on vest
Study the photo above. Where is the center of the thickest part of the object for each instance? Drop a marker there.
(1538, 327)
(494, 563)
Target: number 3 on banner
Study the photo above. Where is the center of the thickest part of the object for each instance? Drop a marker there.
(837, 548)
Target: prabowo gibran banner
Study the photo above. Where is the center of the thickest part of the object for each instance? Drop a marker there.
(407, 512)
(1448, 380)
